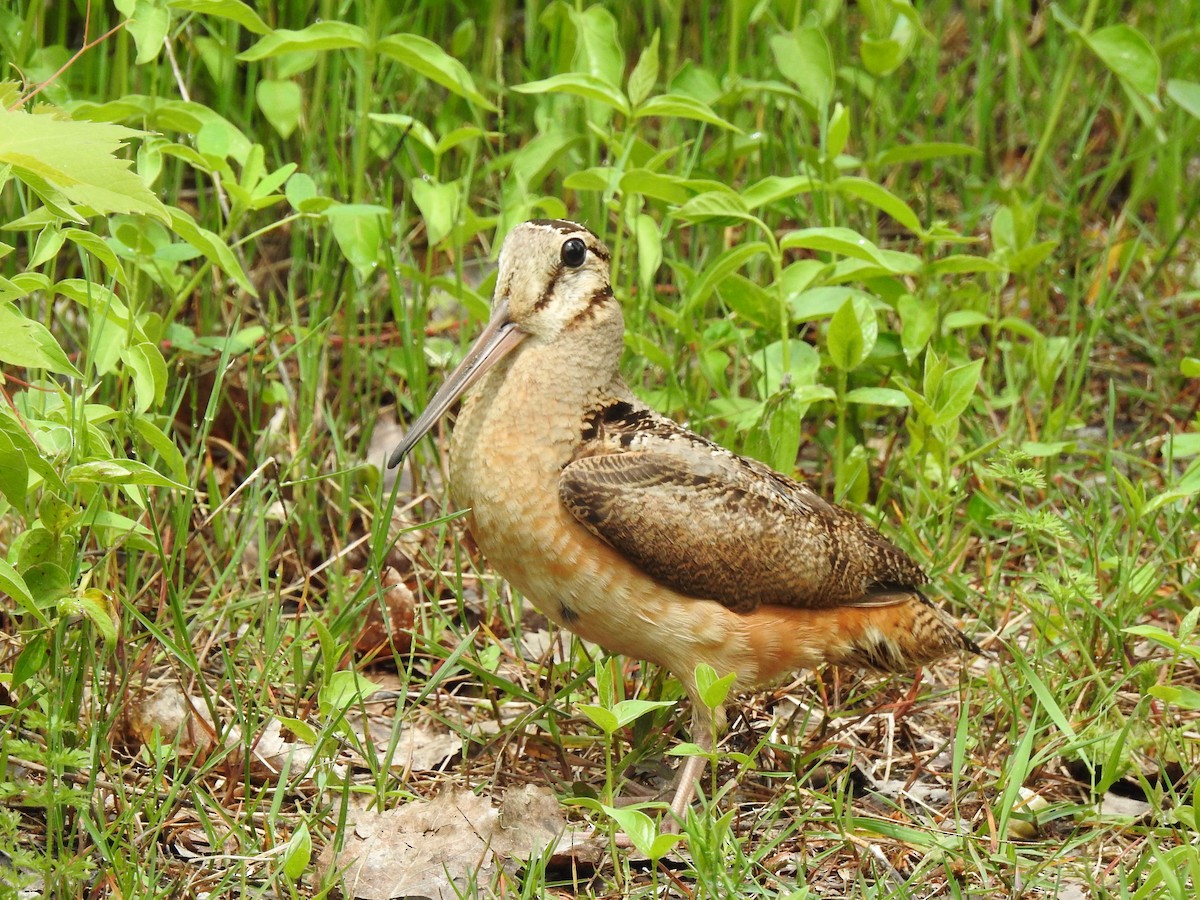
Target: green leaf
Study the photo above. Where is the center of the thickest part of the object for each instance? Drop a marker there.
(602, 717)
(163, 445)
(774, 188)
(881, 198)
(297, 853)
(1186, 94)
(149, 374)
(429, 60)
(955, 391)
(439, 205)
(918, 319)
(147, 22)
(1129, 55)
(598, 44)
(683, 107)
(28, 344)
(627, 711)
(99, 609)
(314, 38)
(850, 243)
(120, 471)
(14, 473)
(281, 103)
(344, 690)
(13, 585)
(580, 85)
(76, 160)
(804, 58)
(879, 396)
(838, 132)
(645, 74)
(359, 230)
(713, 691)
(853, 331)
(640, 829)
(1180, 695)
(234, 10)
(650, 253)
(210, 245)
(657, 185)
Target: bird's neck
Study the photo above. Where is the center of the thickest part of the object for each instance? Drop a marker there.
(527, 412)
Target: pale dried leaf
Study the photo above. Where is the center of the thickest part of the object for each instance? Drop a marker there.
(445, 847)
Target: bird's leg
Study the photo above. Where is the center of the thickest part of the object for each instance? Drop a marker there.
(704, 737)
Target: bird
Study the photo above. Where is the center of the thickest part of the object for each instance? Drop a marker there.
(633, 532)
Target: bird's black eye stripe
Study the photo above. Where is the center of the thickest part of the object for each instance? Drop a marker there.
(574, 252)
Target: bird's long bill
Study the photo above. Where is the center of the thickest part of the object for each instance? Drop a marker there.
(499, 337)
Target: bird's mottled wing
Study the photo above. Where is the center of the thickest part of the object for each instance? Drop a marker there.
(708, 523)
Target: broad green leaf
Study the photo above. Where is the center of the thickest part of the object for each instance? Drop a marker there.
(878, 396)
(344, 690)
(359, 230)
(280, 102)
(713, 690)
(439, 205)
(1178, 694)
(120, 471)
(601, 717)
(598, 45)
(580, 85)
(838, 132)
(645, 74)
(13, 584)
(426, 58)
(641, 830)
(95, 245)
(650, 254)
(297, 853)
(881, 198)
(804, 58)
(1186, 94)
(163, 445)
(834, 239)
(77, 160)
(14, 473)
(955, 391)
(211, 246)
(28, 344)
(659, 185)
(1129, 55)
(777, 187)
(99, 609)
(147, 22)
(683, 107)
(149, 374)
(234, 10)
(314, 38)
(853, 331)
(918, 319)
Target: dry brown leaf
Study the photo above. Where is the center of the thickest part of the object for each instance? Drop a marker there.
(378, 636)
(445, 847)
(178, 719)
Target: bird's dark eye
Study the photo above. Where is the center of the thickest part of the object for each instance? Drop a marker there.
(574, 252)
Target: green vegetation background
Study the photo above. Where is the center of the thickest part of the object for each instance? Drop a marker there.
(940, 261)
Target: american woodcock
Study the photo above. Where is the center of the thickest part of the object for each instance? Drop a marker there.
(633, 532)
